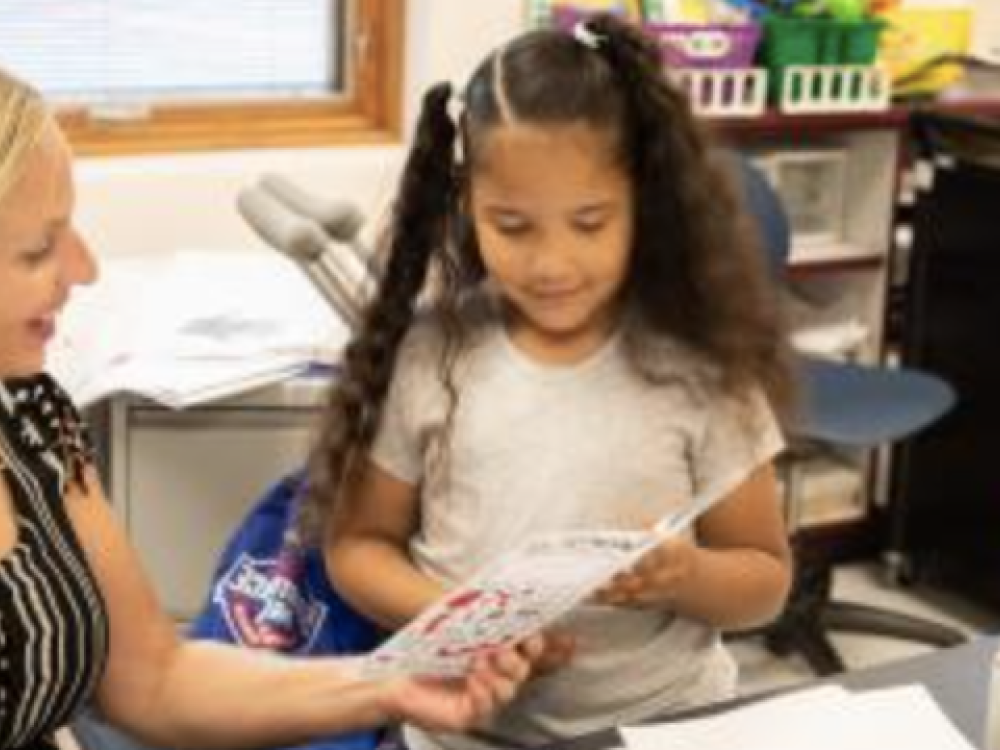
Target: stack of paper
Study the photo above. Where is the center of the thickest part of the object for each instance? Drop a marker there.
(824, 718)
(193, 327)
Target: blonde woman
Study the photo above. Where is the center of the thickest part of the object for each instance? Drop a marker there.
(79, 622)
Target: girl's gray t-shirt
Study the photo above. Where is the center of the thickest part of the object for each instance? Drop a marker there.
(536, 448)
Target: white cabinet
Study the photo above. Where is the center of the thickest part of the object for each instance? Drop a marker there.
(183, 480)
(838, 187)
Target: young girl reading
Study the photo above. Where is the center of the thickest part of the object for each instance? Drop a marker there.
(573, 330)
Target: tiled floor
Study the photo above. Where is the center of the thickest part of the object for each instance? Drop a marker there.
(865, 583)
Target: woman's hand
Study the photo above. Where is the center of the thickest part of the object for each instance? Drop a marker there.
(458, 704)
(657, 580)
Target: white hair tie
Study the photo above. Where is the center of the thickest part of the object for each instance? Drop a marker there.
(456, 112)
(456, 108)
(586, 37)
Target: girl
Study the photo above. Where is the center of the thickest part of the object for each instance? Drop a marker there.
(596, 343)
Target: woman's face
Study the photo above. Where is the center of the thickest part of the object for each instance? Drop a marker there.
(41, 256)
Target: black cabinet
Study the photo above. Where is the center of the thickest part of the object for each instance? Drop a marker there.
(947, 480)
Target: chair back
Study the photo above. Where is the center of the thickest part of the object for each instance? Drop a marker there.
(767, 210)
(843, 403)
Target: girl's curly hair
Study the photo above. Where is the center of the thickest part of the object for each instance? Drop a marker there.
(697, 275)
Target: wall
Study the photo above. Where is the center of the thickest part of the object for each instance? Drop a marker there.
(155, 204)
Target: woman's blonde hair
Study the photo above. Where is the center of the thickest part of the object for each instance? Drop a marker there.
(23, 118)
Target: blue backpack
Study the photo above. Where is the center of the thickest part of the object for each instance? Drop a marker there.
(271, 592)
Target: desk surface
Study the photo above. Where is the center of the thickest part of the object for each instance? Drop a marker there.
(959, 679)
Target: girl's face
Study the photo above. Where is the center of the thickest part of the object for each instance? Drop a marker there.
(41, 256)
(553, 211)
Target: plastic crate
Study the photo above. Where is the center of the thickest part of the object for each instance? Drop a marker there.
(791, 42)
(721, 92)
(915, 36)
(821, 89)
(721, 46)
(724, 46)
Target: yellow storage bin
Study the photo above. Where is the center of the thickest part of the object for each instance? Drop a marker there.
(917, 35)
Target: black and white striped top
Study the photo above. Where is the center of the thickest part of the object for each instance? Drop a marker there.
(53, 624)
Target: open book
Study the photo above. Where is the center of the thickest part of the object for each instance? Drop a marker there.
(523, 592)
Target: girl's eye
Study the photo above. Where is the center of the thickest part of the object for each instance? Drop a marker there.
(590, 226)
(512, 228)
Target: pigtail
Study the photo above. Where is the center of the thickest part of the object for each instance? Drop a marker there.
(668, 156)
(699, 273)
(417, 234)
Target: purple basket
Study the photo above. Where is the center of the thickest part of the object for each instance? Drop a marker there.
(731, 45)
(706, 45)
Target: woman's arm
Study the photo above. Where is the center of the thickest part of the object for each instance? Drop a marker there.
(175, 693)
(736, 575)
(366, 549)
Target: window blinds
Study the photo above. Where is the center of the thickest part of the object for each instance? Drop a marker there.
(80, 51)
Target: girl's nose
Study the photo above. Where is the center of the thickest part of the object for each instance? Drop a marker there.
(550, 258)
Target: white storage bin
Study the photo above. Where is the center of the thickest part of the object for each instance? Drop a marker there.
(812, 186)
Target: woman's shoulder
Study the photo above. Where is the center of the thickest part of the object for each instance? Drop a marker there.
(47, 419)
(43, 397)
(37, 388)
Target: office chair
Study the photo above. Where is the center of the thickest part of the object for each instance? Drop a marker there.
(843, 406)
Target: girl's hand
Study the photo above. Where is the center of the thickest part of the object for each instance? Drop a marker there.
(657, 579)
(454, 705)
(558, 648)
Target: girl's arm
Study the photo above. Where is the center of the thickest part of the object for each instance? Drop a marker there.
(736, 575)
(366, 549)
(366, 556)
(186, 694)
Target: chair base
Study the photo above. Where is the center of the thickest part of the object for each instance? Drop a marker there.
(804, 626)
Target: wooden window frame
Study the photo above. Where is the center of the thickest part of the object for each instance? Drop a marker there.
(371, 112)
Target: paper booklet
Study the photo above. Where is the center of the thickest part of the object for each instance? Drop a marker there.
(522, 593)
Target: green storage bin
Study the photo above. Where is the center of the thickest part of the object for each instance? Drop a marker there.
(859, 42)
(815, 41)
(788, 41)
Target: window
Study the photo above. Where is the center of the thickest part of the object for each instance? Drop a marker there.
(154, 75)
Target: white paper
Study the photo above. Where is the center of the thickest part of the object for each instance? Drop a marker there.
(524, 592)
(192, 327)
(824, 718)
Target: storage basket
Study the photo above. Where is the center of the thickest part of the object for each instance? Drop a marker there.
(718, 46)
(791, 42)
(916, 36)
(706, 45)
